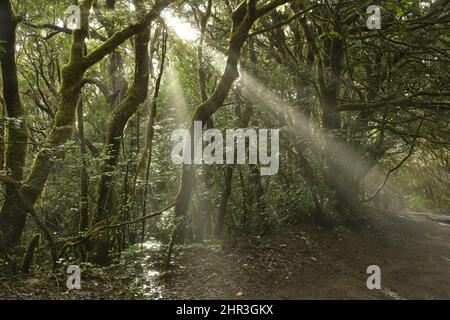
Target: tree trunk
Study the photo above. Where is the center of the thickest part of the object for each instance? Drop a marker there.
(135, 96)
(84, 178)
(12, 217)
(117, 122)
(150, 132)
(243, 18)
(71, 76)
(223, 202)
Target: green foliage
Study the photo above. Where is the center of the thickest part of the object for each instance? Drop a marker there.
(377, 86)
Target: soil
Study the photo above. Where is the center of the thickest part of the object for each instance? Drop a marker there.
(295, 262)
(307, 262)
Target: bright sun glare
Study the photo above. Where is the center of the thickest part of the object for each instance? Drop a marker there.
(183, 29)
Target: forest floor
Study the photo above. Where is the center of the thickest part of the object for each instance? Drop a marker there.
(307, 262)
(296, 262)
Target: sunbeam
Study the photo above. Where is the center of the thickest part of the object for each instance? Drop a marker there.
(349, 161)
(177, 99)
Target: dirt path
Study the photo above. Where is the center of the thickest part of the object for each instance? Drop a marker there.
(307, 262)
(296, 262)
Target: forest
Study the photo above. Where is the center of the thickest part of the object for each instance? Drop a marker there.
(226, 149)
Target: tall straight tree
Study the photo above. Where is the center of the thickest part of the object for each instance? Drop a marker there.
(12, 221)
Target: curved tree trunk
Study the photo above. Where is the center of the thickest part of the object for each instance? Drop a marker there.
(243, 18)
(135, 96)
(71, 75)
(62, 131)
